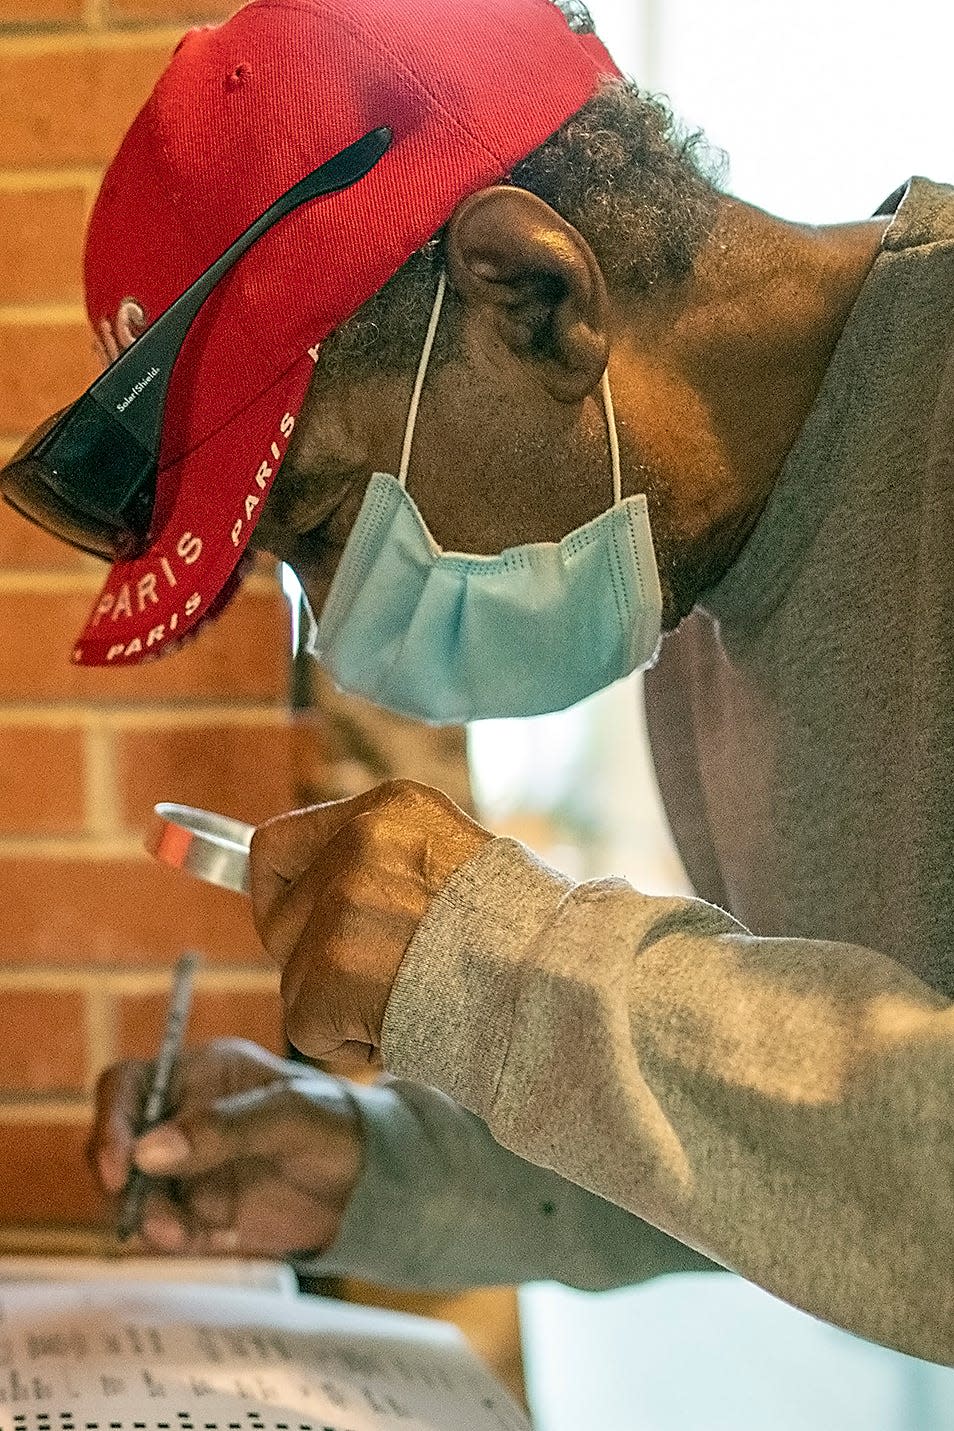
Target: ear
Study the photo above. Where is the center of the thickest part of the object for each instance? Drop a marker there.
(515, 262)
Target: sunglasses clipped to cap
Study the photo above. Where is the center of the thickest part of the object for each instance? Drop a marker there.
(89, 478)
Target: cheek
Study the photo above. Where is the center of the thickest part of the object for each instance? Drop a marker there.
(316, 589)
(315, 558)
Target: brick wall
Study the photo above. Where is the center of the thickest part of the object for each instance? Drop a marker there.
(88, 927)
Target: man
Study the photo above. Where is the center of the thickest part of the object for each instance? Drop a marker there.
(653, 400)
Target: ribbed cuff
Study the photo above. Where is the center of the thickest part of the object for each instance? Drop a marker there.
(449, 1017)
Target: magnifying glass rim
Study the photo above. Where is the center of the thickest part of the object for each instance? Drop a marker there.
(212, 847)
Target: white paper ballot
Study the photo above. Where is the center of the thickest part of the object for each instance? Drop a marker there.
(96, 1357)
(253, 1274)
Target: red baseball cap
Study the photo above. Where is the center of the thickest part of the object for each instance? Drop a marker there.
(243, 111)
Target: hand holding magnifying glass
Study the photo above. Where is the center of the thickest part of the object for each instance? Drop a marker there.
(338, 892)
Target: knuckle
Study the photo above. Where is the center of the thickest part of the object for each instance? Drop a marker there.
(118, 1081)
(404, 791)
(232, 1049)
(122, 1072)
(399, 787)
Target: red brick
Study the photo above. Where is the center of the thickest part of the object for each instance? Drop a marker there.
(25, 546)
(41, 243)
(242, 656)
(216, 1013)
(43, 366)
(240, 770)
(130, 913)
(43, 1049)
(72, 103)
(42, 779)
(44, 1177)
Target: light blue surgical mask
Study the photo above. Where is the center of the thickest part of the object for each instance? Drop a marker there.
(448, 637)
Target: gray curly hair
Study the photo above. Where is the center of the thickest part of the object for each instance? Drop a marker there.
(640, 190)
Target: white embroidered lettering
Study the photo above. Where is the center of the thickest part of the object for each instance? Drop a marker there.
(123, 606)
(115, 651)
(266, 471)
(105, 605)
(189, 548)
(193, 604)
(146, 590)
(167, 571)
(155, 635)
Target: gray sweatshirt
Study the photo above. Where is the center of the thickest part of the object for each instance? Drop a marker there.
(599, 1086)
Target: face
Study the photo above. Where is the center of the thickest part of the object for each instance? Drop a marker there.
(511, 443)
(496, 461)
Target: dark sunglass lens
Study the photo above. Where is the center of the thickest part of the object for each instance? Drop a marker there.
(98, 467)
(26, 487)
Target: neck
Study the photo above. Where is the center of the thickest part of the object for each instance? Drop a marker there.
(715, 380)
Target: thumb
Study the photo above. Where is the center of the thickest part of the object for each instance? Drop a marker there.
(232, 1129)
(283, 848)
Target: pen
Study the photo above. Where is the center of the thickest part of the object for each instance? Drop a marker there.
(155, 1110)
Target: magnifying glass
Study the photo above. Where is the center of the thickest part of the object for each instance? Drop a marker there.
(212, 847)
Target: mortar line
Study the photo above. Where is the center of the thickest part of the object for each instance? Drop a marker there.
(69, 178)
(145, 717)
(120, 982)
(41, 314)
(60, 42)
(40, 1109)
(103, 804)
(100, 1033)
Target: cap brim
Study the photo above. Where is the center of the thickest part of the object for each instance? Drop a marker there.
(207, 507)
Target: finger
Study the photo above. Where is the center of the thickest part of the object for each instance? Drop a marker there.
(274, 1217)
(185, 1217)
(211, 1199)
(311, 994)
(283, 848)
(328, 1002)
(170, 1230)
(357, 1062)
(120, 1095)
(164, 1223)
(282, 928)
(270, 1217)
(254, 1124)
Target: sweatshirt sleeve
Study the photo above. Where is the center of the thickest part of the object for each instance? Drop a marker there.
(440, 1204)
(783, 1106)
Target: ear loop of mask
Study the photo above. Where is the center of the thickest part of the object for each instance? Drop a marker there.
(415, 403)
(419, 379)
(613, 435)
